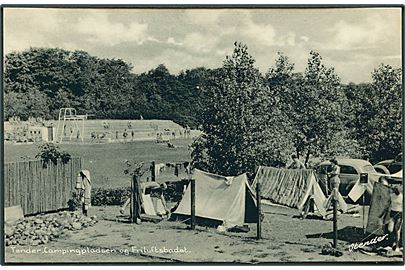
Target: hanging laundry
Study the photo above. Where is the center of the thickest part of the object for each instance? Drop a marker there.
(159, 168)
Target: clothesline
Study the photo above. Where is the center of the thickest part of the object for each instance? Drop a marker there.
(159, 167)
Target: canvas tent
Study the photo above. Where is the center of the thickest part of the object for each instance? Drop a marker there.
(358, 189)
(379, 205)
(220, 198)
(290, 187)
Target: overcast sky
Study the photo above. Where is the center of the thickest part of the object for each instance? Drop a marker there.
(354, 41)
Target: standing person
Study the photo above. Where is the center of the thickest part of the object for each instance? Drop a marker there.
(83, 188)
(296, 163)
(93, 136)
(334, 175)
(334, 180)
(116, 135)
(395, 222)
(125, 134)
(132, 134)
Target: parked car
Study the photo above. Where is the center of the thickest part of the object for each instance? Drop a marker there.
(390, 166)
(350, 170)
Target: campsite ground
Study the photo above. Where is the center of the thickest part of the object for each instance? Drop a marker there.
(286, 238)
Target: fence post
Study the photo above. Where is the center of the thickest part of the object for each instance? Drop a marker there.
(135, 199)
(259, 211)
(153, 175)
(192, 183)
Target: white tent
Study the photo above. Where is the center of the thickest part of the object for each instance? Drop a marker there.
(358, 189)
(220, 198)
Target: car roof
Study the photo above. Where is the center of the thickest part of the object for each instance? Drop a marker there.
(348, 161)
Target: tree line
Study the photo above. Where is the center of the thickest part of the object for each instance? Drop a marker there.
(247, 118)
(40, 81)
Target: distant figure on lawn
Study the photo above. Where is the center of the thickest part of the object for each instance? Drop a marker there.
(296, 163)
(124, 135)
(170, 145)
(93, 136)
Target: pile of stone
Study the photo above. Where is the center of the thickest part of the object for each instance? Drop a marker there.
(39, 230)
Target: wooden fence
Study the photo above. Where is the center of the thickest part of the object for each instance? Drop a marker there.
(38, 189)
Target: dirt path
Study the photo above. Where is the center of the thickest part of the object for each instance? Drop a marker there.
(285, 239)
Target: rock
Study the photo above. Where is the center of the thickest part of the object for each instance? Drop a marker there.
(8, 231)
(44, 239)
(35, 242)
(39, 232)
(38, 221)
(76, 226)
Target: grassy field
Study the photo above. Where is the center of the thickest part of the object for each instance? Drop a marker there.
(106, 162)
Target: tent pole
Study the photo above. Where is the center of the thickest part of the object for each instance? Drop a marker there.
(259, 222)
(192, 182)
(364, 210)
(335, 229)
(153, 175)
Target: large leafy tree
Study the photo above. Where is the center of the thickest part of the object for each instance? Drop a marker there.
(239, 123)
(376, 110)
(313, 103)
(160, 91)
(192, 97)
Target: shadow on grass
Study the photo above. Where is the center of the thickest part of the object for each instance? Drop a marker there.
(348, 234)
(119, 219)
(313, 217)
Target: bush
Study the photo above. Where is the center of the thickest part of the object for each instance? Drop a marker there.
(49, 152)
(109, 196)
